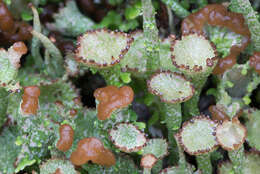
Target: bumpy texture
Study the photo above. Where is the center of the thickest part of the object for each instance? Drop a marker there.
(171, 87)
(45, 128)
(250, 165)
(57, 166)
(199, 53)
(197, 136)
(252, 126)
(102, 48)
(127, 137)
(9, 151)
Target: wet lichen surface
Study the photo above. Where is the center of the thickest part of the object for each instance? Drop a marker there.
(129, 87)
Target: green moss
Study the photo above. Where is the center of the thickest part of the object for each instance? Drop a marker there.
(9, 151)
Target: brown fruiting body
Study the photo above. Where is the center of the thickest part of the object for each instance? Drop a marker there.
(73, 112)
(218, 15)
(224, 64)
(77, 101)
(92, 149)
(66, 137)
(58, 171)
(30, 101)
(111, 98)
(6, 18)
(217, 114)
(20, 47)
(254, 62)
(59, 103)
(148, 161)
(10, 30)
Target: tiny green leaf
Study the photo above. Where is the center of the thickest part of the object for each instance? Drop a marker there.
(125, 77)
(26, 16)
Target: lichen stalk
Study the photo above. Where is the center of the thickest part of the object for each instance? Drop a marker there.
(182, 161)
(57, 59)
(173, 119)
(158, 166)
(3, 105)
(35, 47)
(197, 65)
(191, 106)
(151, 35)
(237, 158)
(204, 163)
(178, 9)
(244, 7)
(147, 171)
